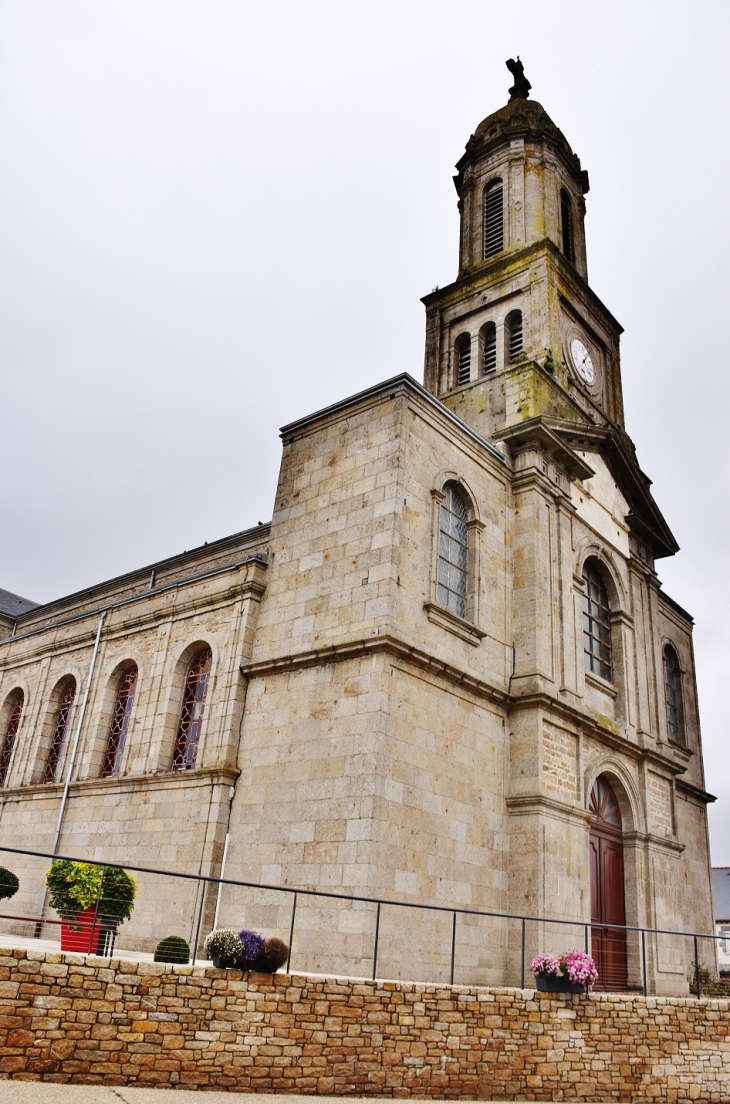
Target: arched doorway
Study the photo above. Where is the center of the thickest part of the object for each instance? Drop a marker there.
(608, 906)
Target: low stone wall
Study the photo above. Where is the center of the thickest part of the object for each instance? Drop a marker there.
(86, 1020)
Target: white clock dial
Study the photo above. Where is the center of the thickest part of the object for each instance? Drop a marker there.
(582, 360)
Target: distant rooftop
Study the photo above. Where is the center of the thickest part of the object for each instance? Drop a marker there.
(721, 892)
(12, 605)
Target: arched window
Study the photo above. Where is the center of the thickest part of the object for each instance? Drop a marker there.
(489, 348)
(673, 695)
(513, 322)
(451, 587)
(566, 223)
(120, 724)
(463, 358)
(596, 623)
(493, 219)
(191, 714)
(60, 728)
(6, 751)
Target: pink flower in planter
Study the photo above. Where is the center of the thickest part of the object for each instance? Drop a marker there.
(580, 968)
(547, 965)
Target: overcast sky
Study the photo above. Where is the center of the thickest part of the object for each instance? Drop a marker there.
(218, 216)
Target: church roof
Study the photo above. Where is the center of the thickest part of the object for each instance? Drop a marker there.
(721, 892)
(12, 605)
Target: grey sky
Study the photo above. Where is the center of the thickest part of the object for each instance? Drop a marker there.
(218, 216)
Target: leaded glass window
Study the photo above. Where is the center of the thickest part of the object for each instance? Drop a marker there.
(60, 728)
(596, 624)
(11, 732)
(191, 714)
(120, 724)
(673, 695)
(451, 589)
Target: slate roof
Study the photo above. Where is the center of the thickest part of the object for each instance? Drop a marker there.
(721, 892)
(12, 605)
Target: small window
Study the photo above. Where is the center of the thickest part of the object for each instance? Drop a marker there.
(463, 359)
(596, 624)
(513, 324)
(60, 728)
(191, 714)
(489, 348)
(6, 752)
(566, 222)
(673, 695)
(493, 219)
(451, 587)
(120, 724)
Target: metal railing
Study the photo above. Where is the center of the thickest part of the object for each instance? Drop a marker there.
(447, 939)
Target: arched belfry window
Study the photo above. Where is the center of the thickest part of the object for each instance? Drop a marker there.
(489, 348)
(61, 725)
(493, 219)
(673, 696)
(596, 623)
(566, 225)
(452, 578)
(513, 324)
(11, 731)
(462, 350)
(191, 714)
(120, 724)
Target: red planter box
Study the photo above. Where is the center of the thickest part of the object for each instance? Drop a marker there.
(85, 939)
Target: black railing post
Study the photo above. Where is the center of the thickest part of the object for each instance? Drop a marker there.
(291, 932)
(375, 948)
(697, 969)
(643, 963)
(522, 968)
(96, 913)
(200, 921)
(453, 947)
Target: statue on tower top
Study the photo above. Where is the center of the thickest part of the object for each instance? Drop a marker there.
(520, 90)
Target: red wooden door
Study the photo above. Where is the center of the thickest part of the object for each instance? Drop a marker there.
(607, 888)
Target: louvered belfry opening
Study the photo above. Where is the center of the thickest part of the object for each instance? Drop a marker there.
(493, 219)
(463, 359)
(60, 728)
(489, 348)
(673, 695)
(120, 724)
(6, 751)
(566, 221)
(191, 714)
(514, 335)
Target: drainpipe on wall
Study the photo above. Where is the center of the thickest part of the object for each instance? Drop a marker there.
(71, 765)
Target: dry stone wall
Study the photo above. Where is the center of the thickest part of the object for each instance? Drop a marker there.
(86, 1020)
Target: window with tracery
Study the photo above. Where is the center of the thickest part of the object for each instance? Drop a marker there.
(120, 724)
(603, 803)
(673, 695)
(513, 322)
(489, 348)
(463, 359)
(596, 623)
(191, 714)
(6, 752)
(60, 728)
(493, 219)
(451, 588)
(566, 220)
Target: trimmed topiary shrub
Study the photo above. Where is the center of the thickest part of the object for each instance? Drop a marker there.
(272, 956)
(76, 886)
(8, 884)
(172, 949)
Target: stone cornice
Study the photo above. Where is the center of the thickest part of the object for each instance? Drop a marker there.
(203, 776)
(527, 804)
(695, 791)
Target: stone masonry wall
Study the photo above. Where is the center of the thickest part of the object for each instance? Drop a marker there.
(85, 1020)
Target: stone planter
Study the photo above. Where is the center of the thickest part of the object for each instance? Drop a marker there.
(549, 983)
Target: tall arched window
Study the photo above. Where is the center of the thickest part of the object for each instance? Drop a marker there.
(513, 323)
(191, 714)
(673, 695)
(566, 222)
(596, 623)
(463, 358)
(11, 731)
(451, 588)
(120, 724)
(60, 728)
(493, 219)
(489, 348)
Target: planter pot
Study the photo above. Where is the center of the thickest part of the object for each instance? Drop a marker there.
(549, 983)
(88, 933)
(226, 963)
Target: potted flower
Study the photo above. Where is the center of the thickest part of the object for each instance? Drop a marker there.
(571, 973)
(92, 901)
(224, 947)
(251, 944)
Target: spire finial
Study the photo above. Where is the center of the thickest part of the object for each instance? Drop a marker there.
(520, 90)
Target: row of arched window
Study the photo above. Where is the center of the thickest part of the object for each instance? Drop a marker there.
(513, 346)
(493, 221)
(187, 738)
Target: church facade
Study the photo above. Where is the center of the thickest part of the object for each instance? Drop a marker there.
(444, 673)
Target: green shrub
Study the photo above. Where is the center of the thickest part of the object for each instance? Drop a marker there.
(172, 949)
(8, 884)
(76, 886)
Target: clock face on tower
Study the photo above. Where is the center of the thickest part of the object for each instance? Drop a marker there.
(582, 360)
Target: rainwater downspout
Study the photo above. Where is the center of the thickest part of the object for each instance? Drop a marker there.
(72, 763)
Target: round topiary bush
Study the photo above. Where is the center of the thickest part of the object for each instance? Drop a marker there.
(8, 884)
(272, 956)
(172, 949)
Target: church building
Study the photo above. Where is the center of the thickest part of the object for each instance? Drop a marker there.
(445, 672)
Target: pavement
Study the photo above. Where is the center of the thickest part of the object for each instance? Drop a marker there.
(44, 1092)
